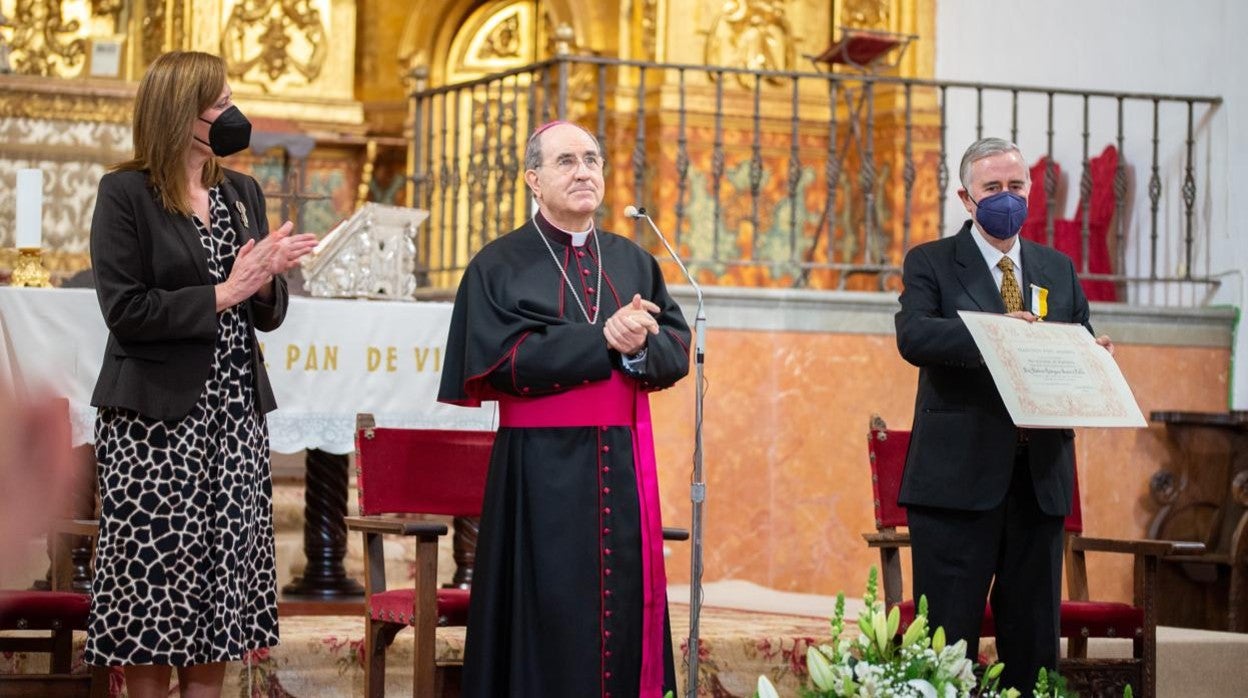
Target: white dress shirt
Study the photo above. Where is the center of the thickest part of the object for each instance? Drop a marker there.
(992, 257)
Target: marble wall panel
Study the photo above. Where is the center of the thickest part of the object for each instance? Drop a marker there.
(788, 484)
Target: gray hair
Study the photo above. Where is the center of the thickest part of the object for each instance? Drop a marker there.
(982, 148)
(533, 151)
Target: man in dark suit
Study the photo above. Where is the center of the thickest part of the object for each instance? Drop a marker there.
(986, 500)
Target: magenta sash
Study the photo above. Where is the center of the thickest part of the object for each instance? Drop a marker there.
(618, 403)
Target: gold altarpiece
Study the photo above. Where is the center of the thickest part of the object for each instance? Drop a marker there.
(291, 65)
(340, 70)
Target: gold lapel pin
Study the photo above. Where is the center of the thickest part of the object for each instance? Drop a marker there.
(242, 212)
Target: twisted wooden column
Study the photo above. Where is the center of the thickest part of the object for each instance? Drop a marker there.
(324, 530)
(464, 547)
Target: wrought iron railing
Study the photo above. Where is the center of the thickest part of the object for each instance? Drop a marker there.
(815, 179)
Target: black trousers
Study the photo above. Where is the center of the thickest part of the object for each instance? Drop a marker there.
(1015, 549)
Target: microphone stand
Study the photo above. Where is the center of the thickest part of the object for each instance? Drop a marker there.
(697, 488)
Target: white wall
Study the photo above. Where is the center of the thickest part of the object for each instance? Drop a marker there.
(1157, 46)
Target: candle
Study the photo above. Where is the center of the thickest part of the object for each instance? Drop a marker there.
(29, 225)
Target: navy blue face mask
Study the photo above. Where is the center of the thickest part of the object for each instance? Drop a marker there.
(1001, 215)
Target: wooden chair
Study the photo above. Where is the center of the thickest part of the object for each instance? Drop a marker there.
(1081, 618)
(1201, 494)
(401, 472)
(55, 614)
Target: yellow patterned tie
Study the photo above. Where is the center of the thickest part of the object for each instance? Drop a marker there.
(1010, 292)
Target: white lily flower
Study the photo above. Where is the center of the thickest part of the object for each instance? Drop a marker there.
(924, 688)
(819, 669)
(880, 632)
(765, 689)
(965, 670)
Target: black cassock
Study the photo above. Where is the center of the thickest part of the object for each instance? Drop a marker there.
(567, 596)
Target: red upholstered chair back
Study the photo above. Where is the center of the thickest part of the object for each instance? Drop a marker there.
(1102, 168)
(1038, 201)
(1068, 235)
(887, 449)
(421, 471)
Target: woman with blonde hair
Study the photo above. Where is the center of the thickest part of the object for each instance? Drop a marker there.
(186, 272)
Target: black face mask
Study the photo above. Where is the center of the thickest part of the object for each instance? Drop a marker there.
(229, 134)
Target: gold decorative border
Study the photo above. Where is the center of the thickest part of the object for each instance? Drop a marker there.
(112, 101)
(23, 96)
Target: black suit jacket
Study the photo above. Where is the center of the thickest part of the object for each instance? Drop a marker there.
(963, 442)
(159, 301)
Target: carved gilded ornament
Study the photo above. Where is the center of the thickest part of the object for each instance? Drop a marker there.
(267, 42)
(152, 37)
(82, 100)
(60, 264)
(866, 14)
(504, 40)
(107, 8)
(48, 38)
(495, 38)
(72, 107)
(650, 29)
(753, 34)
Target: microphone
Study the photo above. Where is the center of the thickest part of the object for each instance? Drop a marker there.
(636, 213)
(697, 487)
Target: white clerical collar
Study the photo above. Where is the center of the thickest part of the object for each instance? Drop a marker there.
(578, 239)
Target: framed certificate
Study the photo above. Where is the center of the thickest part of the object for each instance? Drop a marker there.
(1053, 374)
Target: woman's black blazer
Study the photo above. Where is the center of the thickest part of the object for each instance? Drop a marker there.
(159, 301)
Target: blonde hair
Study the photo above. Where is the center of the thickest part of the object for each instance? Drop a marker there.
(176, 89)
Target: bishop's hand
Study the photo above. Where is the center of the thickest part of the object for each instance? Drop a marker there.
(627, 329)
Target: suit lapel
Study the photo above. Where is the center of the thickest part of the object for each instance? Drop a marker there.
(973, 273)
(189, 235)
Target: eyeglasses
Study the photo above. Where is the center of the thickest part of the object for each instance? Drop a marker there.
(567, 164)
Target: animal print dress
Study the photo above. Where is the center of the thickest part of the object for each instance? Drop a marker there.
(185, 570)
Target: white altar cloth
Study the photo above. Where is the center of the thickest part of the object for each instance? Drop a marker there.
(329, 360)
